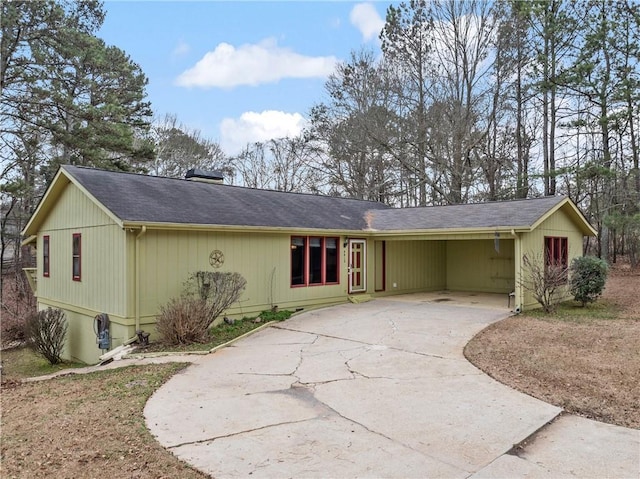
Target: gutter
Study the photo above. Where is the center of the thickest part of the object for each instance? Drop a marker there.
(29, 240)
(143, 231)
(295, 230)
(236, 228)
(517, 253)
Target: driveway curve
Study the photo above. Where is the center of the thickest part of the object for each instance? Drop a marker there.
(379, 389)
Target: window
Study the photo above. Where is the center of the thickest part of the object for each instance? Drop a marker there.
(314, 260)
(76, 266)
(298, 260)
(556, 254)
(45, 256)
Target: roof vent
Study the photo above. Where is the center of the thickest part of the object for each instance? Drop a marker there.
(197, 174)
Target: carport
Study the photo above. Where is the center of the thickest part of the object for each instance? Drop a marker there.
(473, 248)
(454, 266)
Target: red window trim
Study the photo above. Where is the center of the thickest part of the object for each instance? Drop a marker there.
(77, 277)
(46, 256)
(323, 265)
(552, 255)
(305, 265)
(556, 251)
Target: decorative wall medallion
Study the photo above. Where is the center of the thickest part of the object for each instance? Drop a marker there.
(216, 258)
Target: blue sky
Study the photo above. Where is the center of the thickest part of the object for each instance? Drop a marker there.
(240, 71)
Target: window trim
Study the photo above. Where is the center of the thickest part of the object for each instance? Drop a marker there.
(77, 255)
(46, 256)
(307, 261)
(556, 253)
(304, 261)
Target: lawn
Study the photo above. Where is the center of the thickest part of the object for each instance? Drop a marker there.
(81, 426)
(585, 360)
(23, 362)
(86, 426)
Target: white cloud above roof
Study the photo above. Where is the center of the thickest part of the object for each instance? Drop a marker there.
(252, 126)
(228, 66)
(365, 18)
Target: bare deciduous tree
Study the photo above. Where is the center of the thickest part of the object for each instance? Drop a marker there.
(179, 148)
(545, 282)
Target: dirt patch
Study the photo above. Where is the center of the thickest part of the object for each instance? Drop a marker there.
(582, 363)
(86, 426)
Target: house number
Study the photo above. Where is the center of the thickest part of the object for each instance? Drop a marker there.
(216, 258)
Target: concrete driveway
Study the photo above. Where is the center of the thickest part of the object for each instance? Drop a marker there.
(379, 389)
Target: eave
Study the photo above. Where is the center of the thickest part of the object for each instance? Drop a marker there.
(452, 231)
(60, 182)
(136, 225)
(574, 213)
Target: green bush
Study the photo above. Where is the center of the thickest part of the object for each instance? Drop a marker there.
(588, 276)
(45, 332)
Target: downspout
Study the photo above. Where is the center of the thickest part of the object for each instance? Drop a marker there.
(517, 252)
(143, 231)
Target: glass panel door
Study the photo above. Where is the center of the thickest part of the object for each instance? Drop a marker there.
(357, 266)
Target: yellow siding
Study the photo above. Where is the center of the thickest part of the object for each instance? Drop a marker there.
(102, 288)
(477, 266)
(415, 266)
(81, 343)
(558, 224)
(379, 265)
(168, 257)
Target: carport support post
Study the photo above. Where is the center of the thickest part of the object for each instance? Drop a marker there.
(517, 252)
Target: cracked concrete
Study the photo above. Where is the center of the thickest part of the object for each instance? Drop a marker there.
(378, 389)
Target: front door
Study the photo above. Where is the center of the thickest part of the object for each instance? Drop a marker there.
(357, 266)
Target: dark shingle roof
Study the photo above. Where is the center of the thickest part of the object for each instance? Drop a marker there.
(517, 213)
(149, 199)
(140, 198)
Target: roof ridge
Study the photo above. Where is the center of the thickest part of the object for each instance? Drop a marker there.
(218, 185)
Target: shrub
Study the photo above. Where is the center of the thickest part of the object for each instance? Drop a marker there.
(219, 290)
(184, 320)
(45, 332)
(207, 294)
(543, 282)
(588, 276)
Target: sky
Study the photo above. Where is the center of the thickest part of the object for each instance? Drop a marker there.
(240, 71)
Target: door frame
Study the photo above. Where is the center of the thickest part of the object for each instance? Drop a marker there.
(363, 267)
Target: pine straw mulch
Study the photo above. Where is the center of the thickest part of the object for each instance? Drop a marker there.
(587, 362)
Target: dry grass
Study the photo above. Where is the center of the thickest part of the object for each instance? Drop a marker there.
(586, 361)
(86, 426)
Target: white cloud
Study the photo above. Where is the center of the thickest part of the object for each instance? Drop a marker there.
(181, 49)
(253, 64)
(235, 133)
(365, 18)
